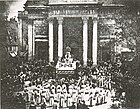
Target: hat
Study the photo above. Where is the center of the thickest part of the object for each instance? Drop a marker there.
(25, 90)
(73, 102)
(83, 101)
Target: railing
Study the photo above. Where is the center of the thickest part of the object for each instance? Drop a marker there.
(72, 1)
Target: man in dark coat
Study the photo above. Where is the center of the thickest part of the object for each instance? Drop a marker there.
(32, 106)
(79, 105)
(43, 106)
(84, 106)
(73, 106)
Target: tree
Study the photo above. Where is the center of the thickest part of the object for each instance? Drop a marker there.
(127, 77)
(12, 29)
(3, 36)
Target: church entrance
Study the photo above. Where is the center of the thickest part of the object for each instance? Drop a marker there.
(73, 36)
(42, 50)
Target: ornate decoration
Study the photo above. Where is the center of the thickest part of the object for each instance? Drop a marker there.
(60, 20)
(68, 49)
(85, 19)
(67, 63)
(50, 19)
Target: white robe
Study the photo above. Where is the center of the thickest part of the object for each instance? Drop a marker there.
(69, 100)
(51, 100)
(62, 100)
(53, 89)
(70, 89)
(74, 95)
(86, 97)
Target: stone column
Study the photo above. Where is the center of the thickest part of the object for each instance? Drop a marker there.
(33, 32)
(31, 43)
(85, 40)
(94, 42)
(60, 36)
(20, 31)
(50, 39)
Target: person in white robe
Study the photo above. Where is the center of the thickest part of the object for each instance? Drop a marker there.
(43, 97)
(47, 94)
(58, 90)
(51, 99)
(62, 100)
(69, 99)
(70, 89)
(79, 97)
(64, 88)
(26, 95)
(82, 93)
(37, 96)
(65, 98)
(86, 97)
(74, 95)
(56, 101)
(32, 97)
(93, 96)
(53, 89)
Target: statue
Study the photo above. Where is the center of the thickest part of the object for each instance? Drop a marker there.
(67, 62)
(68, 59)
(68, 49)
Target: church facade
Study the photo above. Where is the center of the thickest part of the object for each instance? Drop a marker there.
(47, 28)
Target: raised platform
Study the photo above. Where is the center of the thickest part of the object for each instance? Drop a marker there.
(64, 73)
(65, 66)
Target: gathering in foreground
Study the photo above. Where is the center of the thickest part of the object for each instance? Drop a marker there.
(31, 86)
(64, 94)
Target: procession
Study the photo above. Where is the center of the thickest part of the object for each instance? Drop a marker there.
(70, 54)
(37, 89)
(59, 96)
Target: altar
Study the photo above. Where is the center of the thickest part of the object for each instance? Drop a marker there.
(66, 65)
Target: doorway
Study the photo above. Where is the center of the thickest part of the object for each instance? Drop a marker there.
(42, 50)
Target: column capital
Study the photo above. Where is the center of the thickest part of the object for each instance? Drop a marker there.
(50, 19)
(20, 21)
(60, 20)
(85, 19)
(30, 21)
(95, 18)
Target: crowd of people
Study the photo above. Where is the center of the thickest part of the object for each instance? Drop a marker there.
(64, 93)
(12, 80)
(33, 84)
